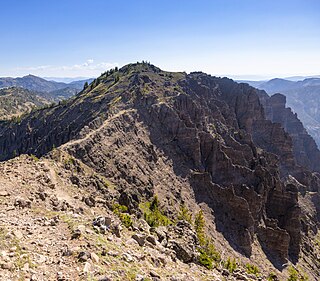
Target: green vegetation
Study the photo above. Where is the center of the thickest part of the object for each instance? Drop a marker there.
(70, 163)
(208, 253)
(16, 119)
(22, 257)
(272, 277)
(115, 101)
(16, 103)
(153, 214)
(121, 212)
(34, 158)
(205, 260)
(230, 265)
(184, 214)
(15, 153)
(199, 224)
(294, 275)
(252, 269)
(63, 102)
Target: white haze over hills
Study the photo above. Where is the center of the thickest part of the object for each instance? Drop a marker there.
(67, 79)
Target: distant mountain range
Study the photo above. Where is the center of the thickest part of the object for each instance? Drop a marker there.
(297, 78)
(302, 96)
(21, 95)
(66, 79)
(50, 89)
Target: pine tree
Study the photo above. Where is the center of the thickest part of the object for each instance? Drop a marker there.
(199, 224)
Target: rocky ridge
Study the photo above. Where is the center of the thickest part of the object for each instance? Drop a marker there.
(191, 139)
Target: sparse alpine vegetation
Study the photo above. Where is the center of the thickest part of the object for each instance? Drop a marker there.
(15, 102)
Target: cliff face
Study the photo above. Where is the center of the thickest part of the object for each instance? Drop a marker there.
(302, 96)
(192, 139)
(305, 149)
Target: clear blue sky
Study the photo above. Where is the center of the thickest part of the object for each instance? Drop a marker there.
(69, 38)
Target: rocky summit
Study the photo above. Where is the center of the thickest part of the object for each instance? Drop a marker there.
(155, 175)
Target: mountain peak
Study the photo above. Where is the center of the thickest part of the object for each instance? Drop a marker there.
(32, 76)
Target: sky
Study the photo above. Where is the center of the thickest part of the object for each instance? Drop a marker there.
(242, 39)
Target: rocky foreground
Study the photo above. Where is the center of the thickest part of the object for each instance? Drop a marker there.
(53, 229)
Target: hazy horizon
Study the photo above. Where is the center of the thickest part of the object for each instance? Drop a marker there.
(248, 77)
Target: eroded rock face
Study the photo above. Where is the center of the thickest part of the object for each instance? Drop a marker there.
(175, 134)
(305, 149)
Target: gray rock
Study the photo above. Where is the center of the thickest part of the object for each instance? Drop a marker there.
(67, 252)
(140, 238)
(22, 203)
(102, 224)
(90, 201)
(160, 231)
(84, 256)
(94, 258)
(142, 225)
(139, 277)
(87, 267)
(116, 230)
(152, 240)
(76, 234)
(154, 274)
(4, 193)
(127, 257)
(183, 241)
(8, 266)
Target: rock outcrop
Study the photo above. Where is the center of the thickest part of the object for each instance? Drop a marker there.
(305, 149)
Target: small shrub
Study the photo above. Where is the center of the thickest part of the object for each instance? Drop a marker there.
(126, 220)
(294, 275)
(117, 208)
(208, 252)
(252, 269)
(230, 265)
(120, 211)
(154, 204)
(156, 218)
(34, 158)
(211, 251)
(153, 214)
(205, 260)
(199, 224)
(184, 214)
(70, 161)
